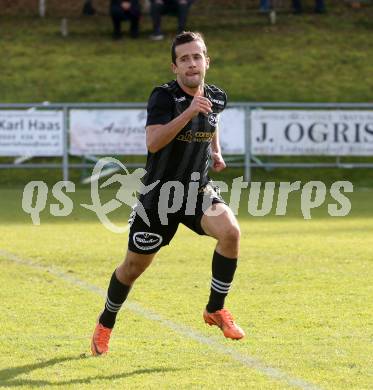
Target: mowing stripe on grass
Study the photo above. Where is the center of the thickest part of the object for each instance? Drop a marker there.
(248, 361)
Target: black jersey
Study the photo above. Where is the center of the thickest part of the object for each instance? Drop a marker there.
(190, 150)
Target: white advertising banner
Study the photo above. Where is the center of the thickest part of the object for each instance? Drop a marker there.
(31, 133)
(107, 132)
(321, 132)
(232, 131)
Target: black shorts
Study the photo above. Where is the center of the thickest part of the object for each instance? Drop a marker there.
(146, 239)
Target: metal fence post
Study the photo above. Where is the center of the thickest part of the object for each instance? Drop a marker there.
(65, 158)
(247, 144)
(42, 7)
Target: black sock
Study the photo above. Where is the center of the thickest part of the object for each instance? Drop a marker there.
(116, 295)
(223, 270)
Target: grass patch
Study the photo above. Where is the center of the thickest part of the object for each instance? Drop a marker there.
(303, 293)
(311, 58)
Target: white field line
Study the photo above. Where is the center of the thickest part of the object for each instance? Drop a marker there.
(248, 361)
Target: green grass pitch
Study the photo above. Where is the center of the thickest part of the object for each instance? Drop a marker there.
(303, 293)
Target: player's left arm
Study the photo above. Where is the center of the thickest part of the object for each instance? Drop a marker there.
(218, 163)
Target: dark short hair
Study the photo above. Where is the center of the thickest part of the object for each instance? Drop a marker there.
(186, 37)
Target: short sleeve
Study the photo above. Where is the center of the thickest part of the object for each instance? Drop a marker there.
(218, 98)
(160, 108)
(225, 99)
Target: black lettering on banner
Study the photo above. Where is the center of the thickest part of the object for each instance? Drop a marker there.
(9, 126)
(300, 131)
(314, 131)
(264, 133)
(368, 129)
(108, 128)
(33, 124)
(340, 128)
(357, 133)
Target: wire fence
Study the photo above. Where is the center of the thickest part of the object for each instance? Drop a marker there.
(247, 160)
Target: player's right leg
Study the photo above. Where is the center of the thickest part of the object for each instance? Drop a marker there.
(144, 242)
(120, 284)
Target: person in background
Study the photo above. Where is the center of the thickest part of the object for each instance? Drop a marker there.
(319, 6)
(264, 5)
(122, 10)
(88, 8)
(180, 8)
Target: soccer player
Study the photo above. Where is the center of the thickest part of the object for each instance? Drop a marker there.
(181, 137)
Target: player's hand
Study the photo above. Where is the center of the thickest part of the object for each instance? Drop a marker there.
(218, 163)
(200, 104)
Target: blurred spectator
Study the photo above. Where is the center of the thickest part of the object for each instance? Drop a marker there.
(319, 6)
(355, 4)
(121, 10)
(180, 8)
(264, 5)
(88, 8)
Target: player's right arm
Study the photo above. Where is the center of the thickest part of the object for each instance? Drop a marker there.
(160, 135)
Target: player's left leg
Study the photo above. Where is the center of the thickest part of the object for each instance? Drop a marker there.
(219, 222)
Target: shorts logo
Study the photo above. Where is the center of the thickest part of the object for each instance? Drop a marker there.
(147, 241)
(213, 119)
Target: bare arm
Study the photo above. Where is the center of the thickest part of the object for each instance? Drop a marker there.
(218, 163)
(215, 142)
(158, 136)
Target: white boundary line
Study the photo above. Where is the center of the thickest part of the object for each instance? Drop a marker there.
(248, 361)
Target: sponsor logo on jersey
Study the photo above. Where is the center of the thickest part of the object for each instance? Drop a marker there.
(198, 136)
(147, 241)
(187, 137)
(220, 102)
(181, 99)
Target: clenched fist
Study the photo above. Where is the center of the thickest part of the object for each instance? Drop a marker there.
(200, 104)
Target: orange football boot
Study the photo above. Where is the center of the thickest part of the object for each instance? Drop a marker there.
(224, 320)
(100, 340)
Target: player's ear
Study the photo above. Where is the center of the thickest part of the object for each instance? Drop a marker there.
(207, 62)
(173, 68)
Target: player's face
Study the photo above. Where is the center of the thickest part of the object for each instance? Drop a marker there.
(191, 64)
